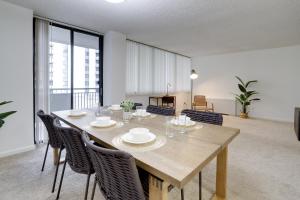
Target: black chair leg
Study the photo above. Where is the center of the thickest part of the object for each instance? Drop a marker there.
(94, 187)
(182, 194)
(45, 157)
(200, 185)
(87, 186)
(61, 179)
(57, 166)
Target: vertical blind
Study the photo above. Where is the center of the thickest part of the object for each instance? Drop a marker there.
(150, 70)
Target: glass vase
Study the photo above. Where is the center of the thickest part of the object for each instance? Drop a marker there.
(126, 116)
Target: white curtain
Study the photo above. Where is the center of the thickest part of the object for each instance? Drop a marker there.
(159, 76)
(132, 67)
(171, 71)
(41, 76)
(150, 70)
(183, 71)
(145, 69)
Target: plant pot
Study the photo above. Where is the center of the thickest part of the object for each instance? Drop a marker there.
(243, 115)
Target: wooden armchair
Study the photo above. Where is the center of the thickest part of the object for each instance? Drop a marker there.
(200, 103)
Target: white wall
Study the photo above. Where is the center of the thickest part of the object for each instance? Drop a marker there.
(114, 68)
(16, 78)
(277, 70)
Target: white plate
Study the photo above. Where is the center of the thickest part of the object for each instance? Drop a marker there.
(102, 125)
(76, 113)
(115, 109)
(188, 123)
(129, 138)
(138, 115)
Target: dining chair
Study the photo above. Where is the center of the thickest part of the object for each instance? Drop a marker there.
(54, 140)
(76, 154)
(200, 103)
(116, 173)
(135, 105)
(161, 110)
(206, 117)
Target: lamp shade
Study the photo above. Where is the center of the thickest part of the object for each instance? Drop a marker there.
(193, 75)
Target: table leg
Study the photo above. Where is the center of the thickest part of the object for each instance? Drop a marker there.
(158, 189)
(55, 156)
(221, 178)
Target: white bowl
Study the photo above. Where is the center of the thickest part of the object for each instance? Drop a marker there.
(76, 113)
(103, 120)
(115, 107)
(147, 137)
(139, 133)
(187, 123)
(99, 124)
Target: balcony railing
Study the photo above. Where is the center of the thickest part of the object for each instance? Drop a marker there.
(60, 98)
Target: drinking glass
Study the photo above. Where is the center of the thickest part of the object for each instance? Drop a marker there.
(99, 111)
(182, 122)
(169, 132)
(138, 112)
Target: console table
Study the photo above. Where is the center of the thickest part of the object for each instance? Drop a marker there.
(165, 101)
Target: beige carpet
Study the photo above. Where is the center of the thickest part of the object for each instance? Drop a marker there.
(264, 163)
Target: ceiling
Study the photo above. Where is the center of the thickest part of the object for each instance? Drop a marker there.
(190, 27)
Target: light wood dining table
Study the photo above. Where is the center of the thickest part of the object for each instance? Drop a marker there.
(169, 160)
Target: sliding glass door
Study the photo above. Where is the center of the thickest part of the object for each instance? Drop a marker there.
(86, 71)
(75, 72)
(59, 69)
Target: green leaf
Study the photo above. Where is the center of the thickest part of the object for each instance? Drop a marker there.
(249, 82)
(5, 102)
(242, 82)
(1, 123)
(255, 99)
(6, 114)
(238, 99)
(242, 88)
(243, 98)
(250, 93)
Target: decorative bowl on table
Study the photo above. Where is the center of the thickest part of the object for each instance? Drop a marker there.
(183, 121)
(141, 113)
(138, 136)
(115, 107)
(103, 122)
(76, 113)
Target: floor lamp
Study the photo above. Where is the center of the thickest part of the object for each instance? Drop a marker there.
(193, 76)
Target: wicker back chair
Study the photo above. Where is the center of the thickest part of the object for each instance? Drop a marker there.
(116, 173)
(76, 153)
(135, 105)
(161, 110)
(206, 117)
(54, 140)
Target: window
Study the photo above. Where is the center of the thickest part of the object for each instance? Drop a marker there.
(75, 79)
(151, 70)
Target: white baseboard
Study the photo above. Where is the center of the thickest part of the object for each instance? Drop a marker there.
(16, 151)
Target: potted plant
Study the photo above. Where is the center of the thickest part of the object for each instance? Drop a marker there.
(246, 96)
(5, 114)
(127, 106)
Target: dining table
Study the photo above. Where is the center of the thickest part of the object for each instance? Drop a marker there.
(174, 158)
